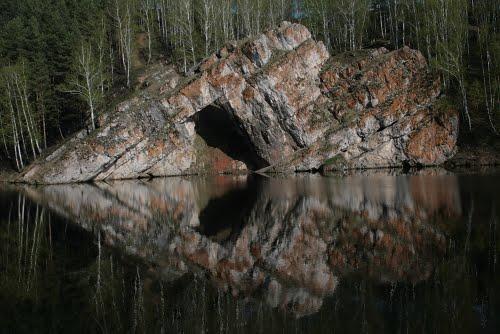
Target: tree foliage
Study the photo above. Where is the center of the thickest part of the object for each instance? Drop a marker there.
(69, 55)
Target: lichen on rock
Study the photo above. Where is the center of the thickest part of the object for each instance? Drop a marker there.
(292, 106)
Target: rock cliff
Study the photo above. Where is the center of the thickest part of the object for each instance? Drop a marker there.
(277, 103)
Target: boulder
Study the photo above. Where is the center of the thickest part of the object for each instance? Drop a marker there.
(275, 103)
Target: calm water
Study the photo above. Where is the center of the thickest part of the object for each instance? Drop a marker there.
(361, 253)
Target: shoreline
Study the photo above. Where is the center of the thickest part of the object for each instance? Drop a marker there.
(465, 159)
(470, 156)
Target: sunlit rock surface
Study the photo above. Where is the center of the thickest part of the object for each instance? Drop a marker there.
(288, 241)
(277, 102)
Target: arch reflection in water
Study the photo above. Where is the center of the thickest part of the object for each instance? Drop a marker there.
(288, 241)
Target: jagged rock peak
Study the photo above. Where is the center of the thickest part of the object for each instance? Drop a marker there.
(277, 102)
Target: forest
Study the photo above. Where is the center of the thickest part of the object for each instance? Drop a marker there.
(63, 62)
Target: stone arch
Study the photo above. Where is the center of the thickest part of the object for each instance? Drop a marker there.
(219, 129)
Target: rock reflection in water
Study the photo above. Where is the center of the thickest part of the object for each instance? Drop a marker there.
(288, 240)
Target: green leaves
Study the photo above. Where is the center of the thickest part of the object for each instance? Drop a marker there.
(460, 38)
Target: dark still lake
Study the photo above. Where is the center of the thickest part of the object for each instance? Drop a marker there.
(372, 252)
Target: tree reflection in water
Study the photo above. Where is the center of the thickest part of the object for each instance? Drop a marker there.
(226, 253)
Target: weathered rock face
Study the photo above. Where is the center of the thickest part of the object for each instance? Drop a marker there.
(278, 102)
(290, 242)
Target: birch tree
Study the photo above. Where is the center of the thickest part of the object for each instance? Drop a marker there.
(146, 12)
(21, 87)
(485, 17)
(187, 25)
(123, 16)
(206, 12)
(451, 50)
(86, 80)
(3, 129)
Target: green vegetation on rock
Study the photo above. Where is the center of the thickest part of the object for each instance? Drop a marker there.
(64, 62)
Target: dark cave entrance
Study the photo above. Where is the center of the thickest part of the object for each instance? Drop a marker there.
(219, 129)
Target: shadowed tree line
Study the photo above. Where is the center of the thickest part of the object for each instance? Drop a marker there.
(65, 61)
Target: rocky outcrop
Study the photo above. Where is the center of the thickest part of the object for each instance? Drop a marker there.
(291, 243)
(277, 102)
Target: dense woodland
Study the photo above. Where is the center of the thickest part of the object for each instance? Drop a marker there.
(62, 62)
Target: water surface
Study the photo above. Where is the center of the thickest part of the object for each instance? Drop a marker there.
(371, 252)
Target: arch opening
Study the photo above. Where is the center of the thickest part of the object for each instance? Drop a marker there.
(218, 127)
